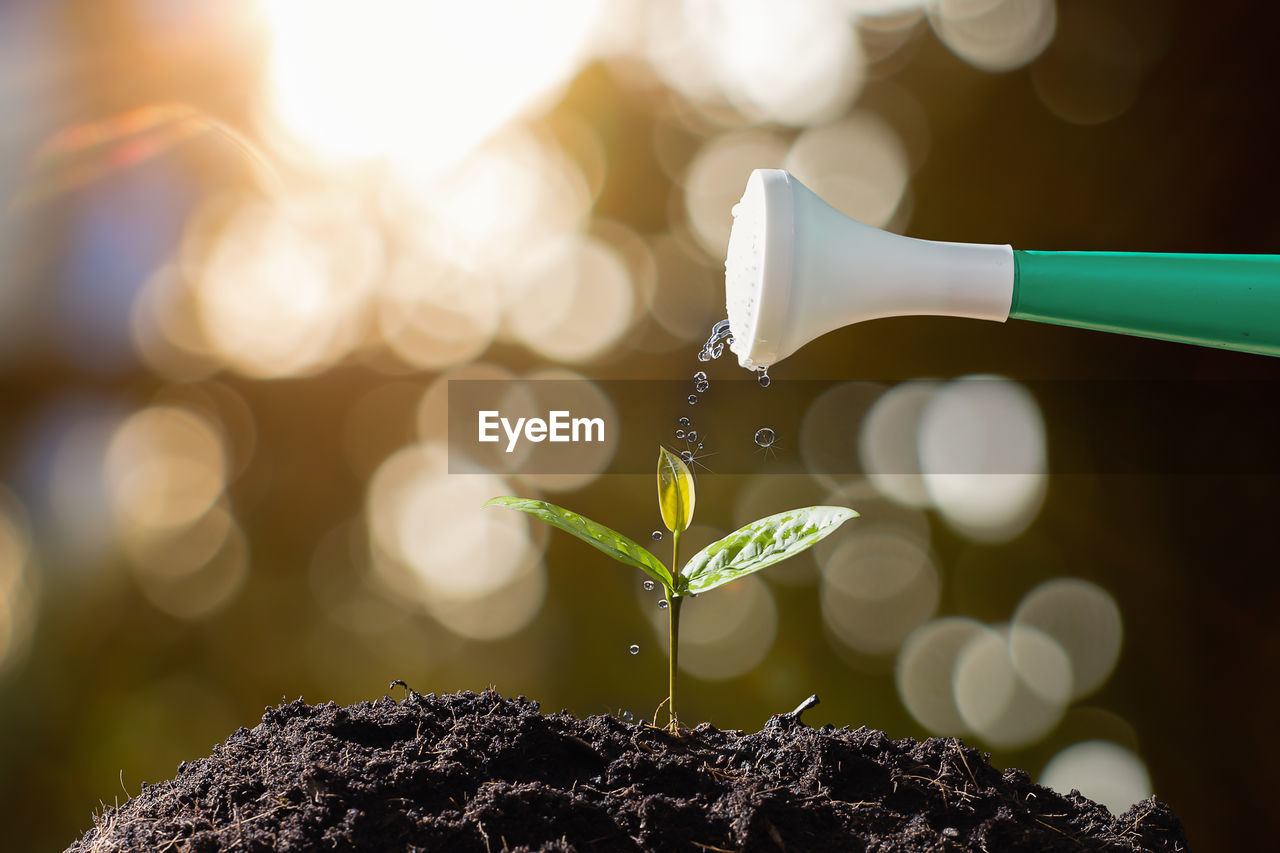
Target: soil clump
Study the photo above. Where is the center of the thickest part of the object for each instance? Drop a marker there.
(477, 773)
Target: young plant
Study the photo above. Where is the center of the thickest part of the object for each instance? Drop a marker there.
(749, 549)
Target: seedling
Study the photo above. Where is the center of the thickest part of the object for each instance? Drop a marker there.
(749, 549)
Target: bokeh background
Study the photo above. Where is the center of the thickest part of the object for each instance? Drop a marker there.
(245, 244)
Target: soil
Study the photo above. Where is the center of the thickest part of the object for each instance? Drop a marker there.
(476, 772)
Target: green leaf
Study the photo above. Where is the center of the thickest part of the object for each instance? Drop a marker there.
(675, 491)
(760, 544)
(609, 541)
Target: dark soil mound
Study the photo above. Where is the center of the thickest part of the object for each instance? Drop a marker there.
(480, 773)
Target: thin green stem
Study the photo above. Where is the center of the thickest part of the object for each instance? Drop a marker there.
(673, 630)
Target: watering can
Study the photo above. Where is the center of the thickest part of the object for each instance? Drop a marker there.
(797, 269)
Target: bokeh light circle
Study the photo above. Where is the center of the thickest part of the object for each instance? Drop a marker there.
(164, 468)
(888, 447)
(717, 177)
(1012, 686)
(925, 672)
(1104, 772)
(473, 568)
(1084, 620)
(877, 587)
(982, 452)
(858, 165)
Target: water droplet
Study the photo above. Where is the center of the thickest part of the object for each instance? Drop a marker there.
(657, 534)
(685, 422)
(635, 650)
(679, 433)
(762, 376)
(662, 604)
(700, 376)
(691, 435)
(714, 346)
(648, 586)
(693, 399)
(765, 437)
(701, 386)
(627, 716)
(686, 455)
(699, 445)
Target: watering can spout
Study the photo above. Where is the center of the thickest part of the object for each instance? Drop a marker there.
(797, 268)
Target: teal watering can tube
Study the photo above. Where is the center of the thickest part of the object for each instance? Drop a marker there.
(1227, 301)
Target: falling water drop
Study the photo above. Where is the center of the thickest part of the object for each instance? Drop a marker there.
(679, 433)
(627, 716)
(657, 534)
(765, 437)
(685, 422)
(700, 376)
(762, 376)
(693, 399)
(686, 455)
(699, 445)
(648, 586)
(691, 435)
(714, 346)
(662, 604)
(702, 386)
(635, 650)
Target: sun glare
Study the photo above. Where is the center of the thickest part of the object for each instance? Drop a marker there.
(418, 82)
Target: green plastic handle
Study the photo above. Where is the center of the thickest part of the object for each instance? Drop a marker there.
(1227, 301)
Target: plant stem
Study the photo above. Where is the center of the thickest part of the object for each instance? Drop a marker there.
(673, 631)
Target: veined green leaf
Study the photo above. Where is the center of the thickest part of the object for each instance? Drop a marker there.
(675, 491)
(593, 533)
(760, 544)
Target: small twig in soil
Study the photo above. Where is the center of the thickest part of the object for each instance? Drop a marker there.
(804, 706)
